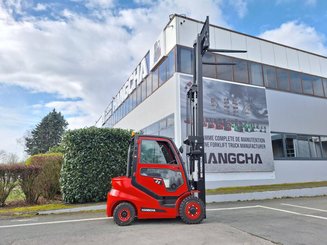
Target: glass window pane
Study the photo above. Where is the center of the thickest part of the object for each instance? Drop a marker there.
(315, 149)
(171, 64)
(290, 145)
(323, 140)
(256, 76)
(185, 57)
(138, 95)
(277, 144)
(270, 76)
(170, 121)
(143, 88)
(163, 72)
(241, 71)
(224, 72)
(324, 81)
(148, 86)
(317, 87)
(283, 80)
(134, 99)
(303, 146)
(123, 109)
(209, 70)
(155, 80)
(129, 107)
(156, 152)
(295, 79)
(307, 84)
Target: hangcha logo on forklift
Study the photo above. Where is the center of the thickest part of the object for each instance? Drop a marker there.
(157, 181)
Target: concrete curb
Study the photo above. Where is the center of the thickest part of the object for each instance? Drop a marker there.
(74, 210)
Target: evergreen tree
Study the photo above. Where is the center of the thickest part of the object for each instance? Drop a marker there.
(47, 133)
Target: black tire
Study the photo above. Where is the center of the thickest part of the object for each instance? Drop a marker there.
(191, 210)
(124, 214)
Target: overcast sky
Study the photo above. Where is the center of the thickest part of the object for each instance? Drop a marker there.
(74, 55)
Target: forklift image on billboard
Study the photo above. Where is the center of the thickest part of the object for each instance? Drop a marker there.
(156, 184)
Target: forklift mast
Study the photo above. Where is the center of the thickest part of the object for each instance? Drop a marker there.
(195, 139)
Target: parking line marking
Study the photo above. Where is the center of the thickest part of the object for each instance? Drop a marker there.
(55, 222)
(295, 213)
(233, 208)
(298, 206)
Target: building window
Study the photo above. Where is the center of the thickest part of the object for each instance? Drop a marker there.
(163, 72)
(290, 145)
(171, 64)
(149, 85)
(209, 70)
(256, 76)
(185, 59)
(155, 80)
(225, 72)
(163, 127)
(283, 79)
(277, 145)
(143, 88)
(295, 79)
(303, 146)
(138, 95)
(317, 87)
(323, 141)
(307, 83)
(297, 146)
(241, 73)
(269, 73)
(134, 99)
(324, 81)
(315, 146)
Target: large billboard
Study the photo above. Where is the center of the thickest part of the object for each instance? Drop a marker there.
(236, 126)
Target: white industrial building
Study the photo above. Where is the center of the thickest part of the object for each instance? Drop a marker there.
(265, 116)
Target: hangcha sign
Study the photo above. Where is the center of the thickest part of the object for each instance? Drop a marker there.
(150, 60)
(141, 71)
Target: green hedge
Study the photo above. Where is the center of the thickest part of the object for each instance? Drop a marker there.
(92, 156)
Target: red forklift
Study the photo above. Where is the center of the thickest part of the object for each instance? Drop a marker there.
(157, 184)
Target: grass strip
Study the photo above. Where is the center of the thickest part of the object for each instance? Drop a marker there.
(34, 208)
(262, 188)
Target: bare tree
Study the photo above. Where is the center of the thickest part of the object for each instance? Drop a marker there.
(8, 157)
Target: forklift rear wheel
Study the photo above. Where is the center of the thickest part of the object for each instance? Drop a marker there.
(124, 214)
(191, 210)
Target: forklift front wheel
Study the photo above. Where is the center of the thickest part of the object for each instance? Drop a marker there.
(191, 210)
(124, 214)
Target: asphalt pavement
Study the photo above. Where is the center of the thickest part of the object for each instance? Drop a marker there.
(280, 221)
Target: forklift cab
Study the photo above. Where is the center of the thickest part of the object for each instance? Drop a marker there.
(155, 163)
(155, 186)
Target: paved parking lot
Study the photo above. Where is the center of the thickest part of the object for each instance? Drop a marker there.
(280, 221)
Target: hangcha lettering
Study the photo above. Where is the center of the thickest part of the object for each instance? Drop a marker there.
(232, 158)
(141, 71)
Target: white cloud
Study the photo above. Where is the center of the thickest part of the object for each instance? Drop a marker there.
(240, 7)
(100, 3)
(298, 35)
(40, 7)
